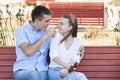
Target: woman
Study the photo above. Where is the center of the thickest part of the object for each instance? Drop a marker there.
(66, 51)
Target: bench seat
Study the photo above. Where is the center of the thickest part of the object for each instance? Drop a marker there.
(99, 63)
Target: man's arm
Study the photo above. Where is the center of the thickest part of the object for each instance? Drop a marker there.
(30, 49)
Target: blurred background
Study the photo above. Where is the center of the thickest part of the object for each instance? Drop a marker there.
(98, 20)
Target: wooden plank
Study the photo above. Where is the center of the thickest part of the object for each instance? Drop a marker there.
(6, 79)
(99, 56)
(8, 50)
(88, 49)
(6, 69)
(101, 49)
(75, 4)
(102, 74)
(81, 15)
(103, 78)
(92, 10)
(80, 68)
(83, 21)
(6, 56)
(8, 75)
(100, 62)
(7, 63)
(99, 68)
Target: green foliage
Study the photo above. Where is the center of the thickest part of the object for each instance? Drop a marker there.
(1, 18)
(117, 33)
(20, 15)
(117, 27)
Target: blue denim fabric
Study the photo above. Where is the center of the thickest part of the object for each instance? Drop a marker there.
(30, 75)
(54, 74)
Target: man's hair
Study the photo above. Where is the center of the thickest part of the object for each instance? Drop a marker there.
(39, 11)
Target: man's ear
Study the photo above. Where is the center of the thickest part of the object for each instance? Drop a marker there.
(36, 20)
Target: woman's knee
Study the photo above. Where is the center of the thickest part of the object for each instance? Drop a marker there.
(43, 75)
(81, 76)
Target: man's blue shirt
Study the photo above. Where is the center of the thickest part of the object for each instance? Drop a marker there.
(27, 33)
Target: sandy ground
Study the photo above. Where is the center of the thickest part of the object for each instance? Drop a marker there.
(104, 38)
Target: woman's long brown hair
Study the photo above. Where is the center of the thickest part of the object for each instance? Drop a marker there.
(72, 22)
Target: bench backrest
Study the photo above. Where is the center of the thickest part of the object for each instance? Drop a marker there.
(99, 63)
(87, 13)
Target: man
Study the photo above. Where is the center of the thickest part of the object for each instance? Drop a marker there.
(32, 44)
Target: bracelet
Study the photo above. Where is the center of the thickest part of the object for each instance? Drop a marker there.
(71, 69)
(72, 66)
(75, 65)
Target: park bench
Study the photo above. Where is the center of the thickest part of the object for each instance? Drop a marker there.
(99, 63)
(87, 13)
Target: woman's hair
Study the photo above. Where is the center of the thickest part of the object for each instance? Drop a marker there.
(39, 11)
(72, 22)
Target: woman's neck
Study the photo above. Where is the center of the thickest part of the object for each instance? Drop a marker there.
(68, 42)
(69, 38)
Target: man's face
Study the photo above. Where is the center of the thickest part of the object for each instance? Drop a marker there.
(44, 23)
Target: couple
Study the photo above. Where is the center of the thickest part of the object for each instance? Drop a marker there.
(33, 41)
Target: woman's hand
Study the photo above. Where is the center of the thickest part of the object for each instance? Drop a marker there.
(63, 73)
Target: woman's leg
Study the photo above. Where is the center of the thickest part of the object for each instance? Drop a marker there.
(75, 76)
(43, 75)
(54, 74)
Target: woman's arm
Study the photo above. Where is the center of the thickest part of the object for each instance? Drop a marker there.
(77, 58)
(81, 52)
(62, 63)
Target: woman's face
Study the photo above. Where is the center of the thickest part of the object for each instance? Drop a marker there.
(64, 26)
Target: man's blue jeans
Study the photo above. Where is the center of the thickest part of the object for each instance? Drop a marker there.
(30, 75)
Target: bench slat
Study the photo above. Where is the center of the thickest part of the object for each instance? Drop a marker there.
(7, 63)
(6, 79)
(106, 49)
(104, 78)
(100, 62)
(8, 57)
(99, 56)
(103, 74)
(8, 75)
(80, 68)
(99, 68)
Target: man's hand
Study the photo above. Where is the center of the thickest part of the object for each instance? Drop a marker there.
(51, 32)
